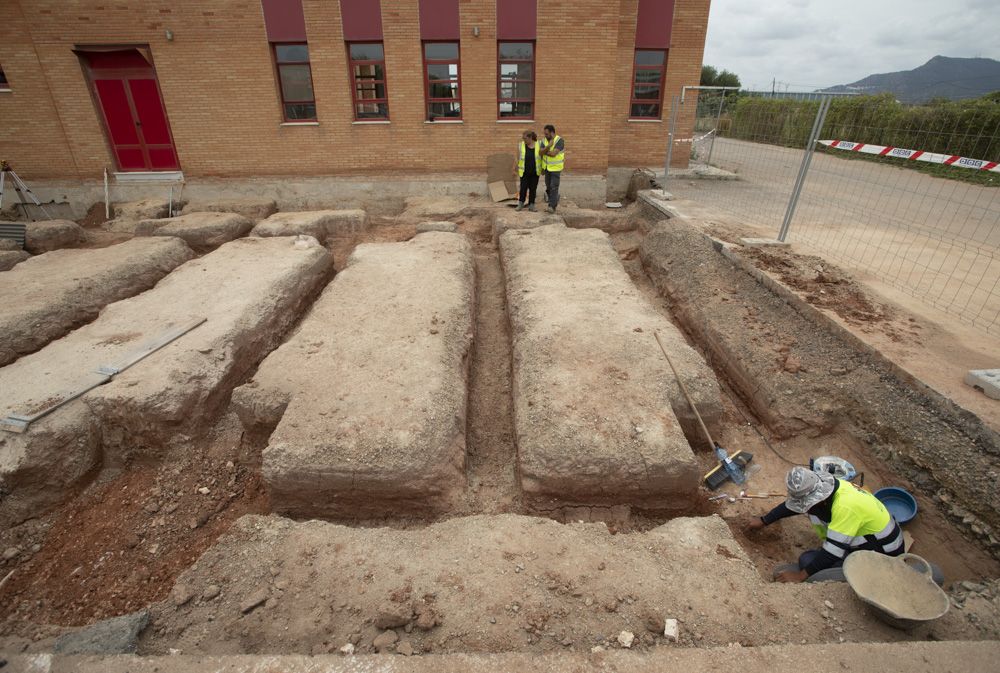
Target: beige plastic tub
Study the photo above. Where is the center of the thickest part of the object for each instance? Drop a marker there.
(900, 589)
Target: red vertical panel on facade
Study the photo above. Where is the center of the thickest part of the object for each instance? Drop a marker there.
(284, 20)
(516, 19)
(653, 25)
(362, 20)
(439, 20)
(149, 109)
(114, 103)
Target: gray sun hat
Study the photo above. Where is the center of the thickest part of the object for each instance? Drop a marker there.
(806, 488)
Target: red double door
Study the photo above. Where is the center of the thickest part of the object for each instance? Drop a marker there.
(128, 95)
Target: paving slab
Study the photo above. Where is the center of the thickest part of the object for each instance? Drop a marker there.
(252, 209)
(915, 657)
(46, 236)
(368, 398)
(251, 291)
(320, 224)
(202, 231)
(52, 294)
(598, 413)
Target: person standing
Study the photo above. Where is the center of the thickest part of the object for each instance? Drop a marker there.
(553, 162)
(529, 163)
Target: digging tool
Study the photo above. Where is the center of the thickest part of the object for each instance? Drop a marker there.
(744, 494)
(734, 471)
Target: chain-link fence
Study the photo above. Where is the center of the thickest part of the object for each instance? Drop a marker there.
(908, 194)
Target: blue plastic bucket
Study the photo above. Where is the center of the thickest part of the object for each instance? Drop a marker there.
(899, 502)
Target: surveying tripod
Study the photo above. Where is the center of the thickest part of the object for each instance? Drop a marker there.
(21, 188)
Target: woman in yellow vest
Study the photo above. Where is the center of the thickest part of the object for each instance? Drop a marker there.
(845, 517)
(529, 164)
(553, 162)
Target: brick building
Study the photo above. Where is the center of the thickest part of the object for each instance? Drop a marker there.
(330, 87)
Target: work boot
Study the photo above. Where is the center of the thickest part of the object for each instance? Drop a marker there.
(532, 208)
(550, 210)
(519, 206)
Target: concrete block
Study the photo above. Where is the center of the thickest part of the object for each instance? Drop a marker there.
(763, 243)
(987, 381)
(368, 398)
(251, 291)
(54, 293)
(448, 227)
(51, 235)
(202, 231)
(320, 224)
(11, 258)
(250, 208)
(600, 418)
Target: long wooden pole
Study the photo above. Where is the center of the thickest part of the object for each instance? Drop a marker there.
(684, 390)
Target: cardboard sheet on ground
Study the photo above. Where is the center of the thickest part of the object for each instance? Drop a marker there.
(498, 191)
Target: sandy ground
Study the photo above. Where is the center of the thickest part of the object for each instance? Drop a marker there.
(932, 238)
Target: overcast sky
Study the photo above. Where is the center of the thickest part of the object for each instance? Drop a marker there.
(810, 44)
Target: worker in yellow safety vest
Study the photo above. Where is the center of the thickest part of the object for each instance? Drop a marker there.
(845, 517)
(527, 168)
(553, 162)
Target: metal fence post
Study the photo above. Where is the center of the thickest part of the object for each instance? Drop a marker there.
(715, 130)
(800, 179)
(674, 104)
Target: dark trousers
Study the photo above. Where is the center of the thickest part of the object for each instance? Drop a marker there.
(552, 188)
(529, 186)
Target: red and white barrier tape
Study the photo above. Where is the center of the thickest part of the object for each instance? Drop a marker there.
(914, 155)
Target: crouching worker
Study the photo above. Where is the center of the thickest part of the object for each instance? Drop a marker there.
(846, 518)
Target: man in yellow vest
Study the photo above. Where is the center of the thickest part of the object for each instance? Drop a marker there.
(845, 517)
(553, 161)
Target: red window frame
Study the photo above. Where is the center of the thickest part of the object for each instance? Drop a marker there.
(355, 78)
(500, 80)
(658, 102)
(4, 84)
(456, 80)
(281, 89)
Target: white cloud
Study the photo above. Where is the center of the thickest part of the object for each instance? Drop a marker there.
(810, 44)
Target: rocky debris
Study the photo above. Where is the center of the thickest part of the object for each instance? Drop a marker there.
(41, 237)
(323, 225)
(61, 290)
(405, 648)
(626, 638)
(11, 258)
(590, 381)
(250, 208)
(182, 594)
(202, 231)
(507, 220)
(384, 640)
(210, 592)
(393, 616)
(671, 630)
(253, 601)
(119, 635)
(449, 227)
(360, 424)
(608, 220)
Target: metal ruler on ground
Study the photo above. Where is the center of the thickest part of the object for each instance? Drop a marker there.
(19, 423)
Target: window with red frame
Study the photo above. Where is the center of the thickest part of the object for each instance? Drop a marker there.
(298, 102)
(4, 84)
(441, 80)
(371, 97)
(647, 83)
(516, 86)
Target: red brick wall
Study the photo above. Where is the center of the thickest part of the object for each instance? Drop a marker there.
(219, 87)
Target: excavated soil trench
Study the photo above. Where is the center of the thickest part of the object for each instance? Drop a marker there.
(121, 544)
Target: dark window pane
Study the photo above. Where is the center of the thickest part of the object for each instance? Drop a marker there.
(372, 110)
(441, 51)
(368, 91)
(300, 111)
(649, 57)
(3, 80)
(515, 110)
(645, 111)
(648, 76)
(515, 90)
(296, 83)
(449, 71)
(444, 90)
(367, 52)
(369, 72)
(650, 92)
(515, 71)
(444, 110)
(516, 50)
(291, 53)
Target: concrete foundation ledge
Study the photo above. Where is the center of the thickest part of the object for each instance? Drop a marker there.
(910, 657)
(202, 231)
(320, 224)
(367, 400)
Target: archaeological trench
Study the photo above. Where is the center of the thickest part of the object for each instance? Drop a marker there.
(442, 436)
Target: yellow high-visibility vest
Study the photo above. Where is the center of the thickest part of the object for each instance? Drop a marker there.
(520, 160)
(556, 163)
(857, 518)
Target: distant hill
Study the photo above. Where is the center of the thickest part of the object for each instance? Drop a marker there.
(942, 76)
